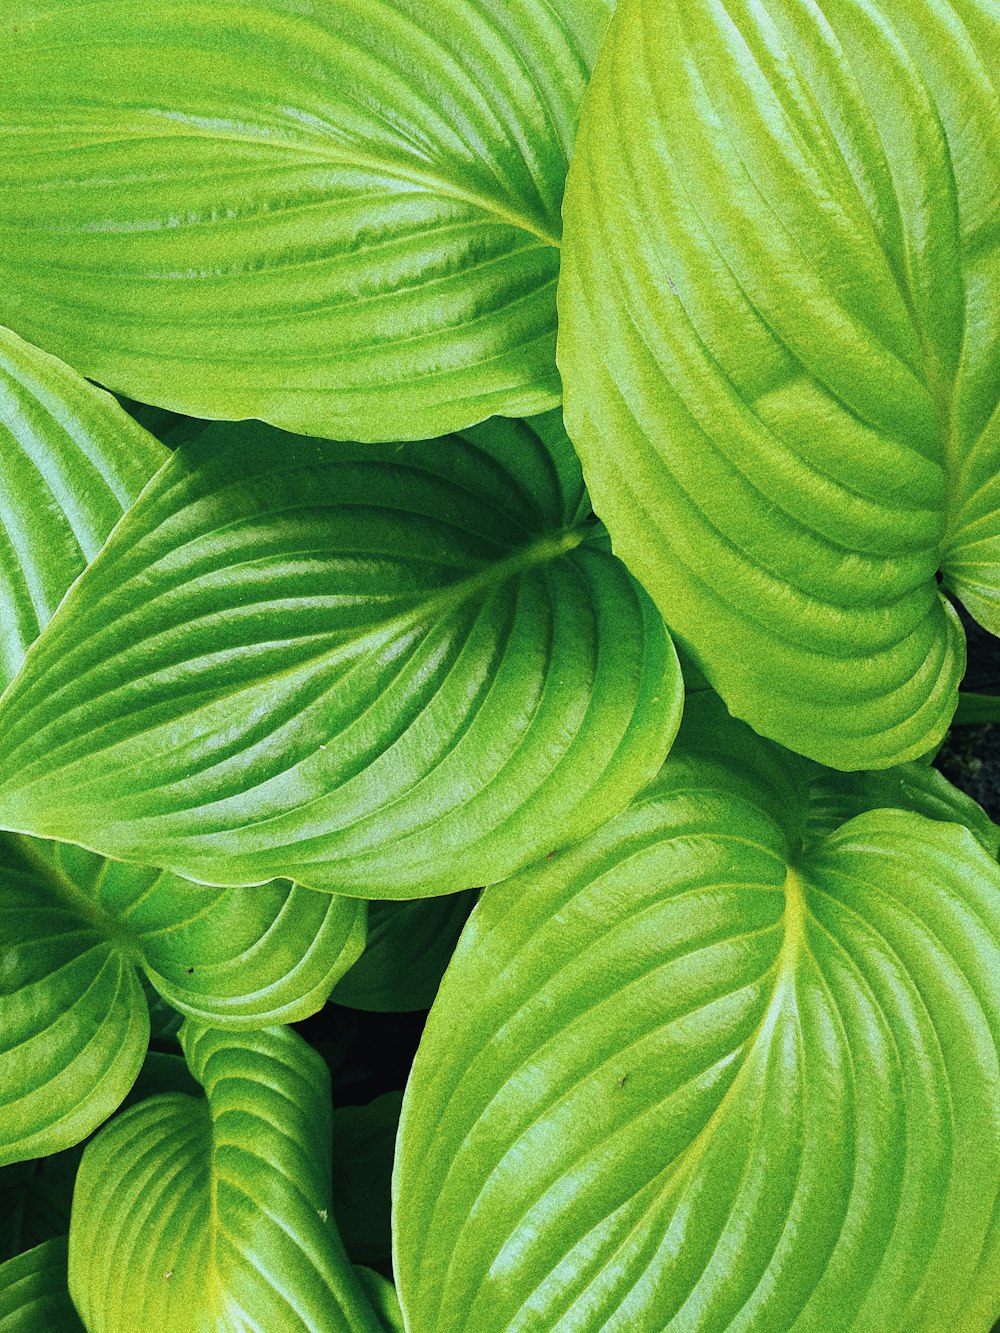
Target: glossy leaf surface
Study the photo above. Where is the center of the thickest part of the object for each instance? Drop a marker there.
(211, 1213)
(780, 340)
(71, 462)
(33, 1294)
(74, 1022)
(721, 1066)
(382, 671)
(343, 218)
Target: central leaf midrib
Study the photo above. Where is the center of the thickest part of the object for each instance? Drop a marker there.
(434, 181)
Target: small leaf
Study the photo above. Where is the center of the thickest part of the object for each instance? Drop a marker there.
(74, 1022)
(33, 1295)
(780, 343)
(71, 462)
(388, 672)
(342, 218)
(36, 1198)
(719, 1066)
(407, 950)
(364, 1140)
(208, 1212)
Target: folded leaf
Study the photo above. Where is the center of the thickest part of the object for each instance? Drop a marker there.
(780, 342)
(406, 952)
(720, 1066)
(197, 1213)
(74, 1022)
(388, 672)
(343, 218)
(71, 462)
(33, 1295)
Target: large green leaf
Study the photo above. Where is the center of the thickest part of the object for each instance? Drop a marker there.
(74, 1022)
(406, 952)
(343, 217)
(722, 1066)
(70, 462)
(33, 1294)
(213, 1213)
(780, 341)
(380, 670)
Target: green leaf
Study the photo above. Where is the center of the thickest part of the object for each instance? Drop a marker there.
(198, 1213)
(720, 1066)
(976, 709)
(382, 1295)
(780, 300)
(36, 1200)
(364, 1140)
(74, 1022)
(33, 1295)
(407, 950)
(342, 218)
(389, 672)
(71, 462)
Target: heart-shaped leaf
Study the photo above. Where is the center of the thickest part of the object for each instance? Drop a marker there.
(388, 672)
(212, 1212)
(780, 341)
(343, 218)
(74, 1022)
(71, 461)
(33, 1293)
(720, 1066)
(406, 952)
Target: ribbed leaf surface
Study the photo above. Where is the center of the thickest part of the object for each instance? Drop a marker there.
(70, 462)
(341, 217)
(780, 340)
(33, 1295)
(211, 1213)
(383, 671)
(716, 1068)
(74, 1022)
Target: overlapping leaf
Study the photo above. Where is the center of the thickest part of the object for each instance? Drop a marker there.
(382, 671)
(74, 1022)
(780, 340)
(70, 462)
(406, 952)
(196, 1213)
(33, 1294)
(721, 1066)
(341, 217)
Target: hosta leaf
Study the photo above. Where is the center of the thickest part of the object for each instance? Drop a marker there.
(721, 1066)
(74, 1022)
(341, 217)
(33, 1294)
(70, 462)
(364, 1139)
(383, 671)
(35, 1198)
(780, 341)
(211, 1213)
(406, 952)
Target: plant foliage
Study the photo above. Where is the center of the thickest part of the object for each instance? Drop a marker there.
(343, 658)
